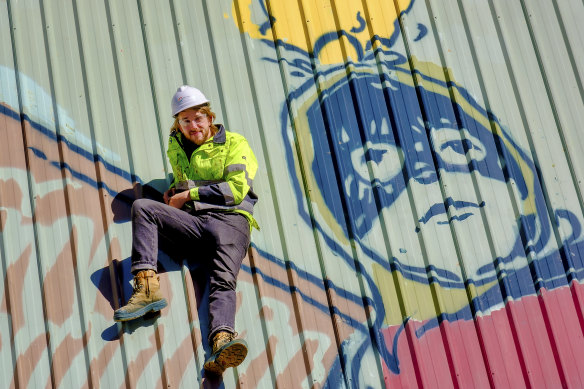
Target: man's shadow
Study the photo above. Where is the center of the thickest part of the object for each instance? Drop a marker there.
(117, 276)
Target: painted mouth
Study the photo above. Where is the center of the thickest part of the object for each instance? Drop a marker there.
(442, 209)
(459, 218)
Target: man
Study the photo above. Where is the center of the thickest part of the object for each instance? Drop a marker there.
(207, 218)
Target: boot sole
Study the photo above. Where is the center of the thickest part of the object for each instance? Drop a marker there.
(152, 307)
(231, 356)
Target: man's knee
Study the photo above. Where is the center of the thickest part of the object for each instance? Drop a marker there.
(141, 207)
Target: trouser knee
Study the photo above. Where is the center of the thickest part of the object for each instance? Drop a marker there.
(141, 208)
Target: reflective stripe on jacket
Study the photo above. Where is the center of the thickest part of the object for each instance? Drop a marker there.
(219, 174)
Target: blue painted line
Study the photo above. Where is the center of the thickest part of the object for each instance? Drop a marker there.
(317, 281)
(84, 178)
(291, 289)
(5, 111)
(74, 148)
(441, 208)
(362, 24)
(38, 153)
(422, 32)
(461, 218)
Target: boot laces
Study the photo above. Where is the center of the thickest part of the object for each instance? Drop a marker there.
(222, 338)
(138, 286)
(147, 278)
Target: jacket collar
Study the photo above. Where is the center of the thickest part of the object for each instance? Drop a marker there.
(220, 136)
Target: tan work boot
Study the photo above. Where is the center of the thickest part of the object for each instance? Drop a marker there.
(227, 352)
(145, 298)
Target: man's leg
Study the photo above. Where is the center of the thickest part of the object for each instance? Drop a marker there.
(151, 219)
(231, 235)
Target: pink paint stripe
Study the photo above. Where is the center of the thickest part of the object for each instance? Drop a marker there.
(530, 338)
(430, 357)
(535, 342)
(467, 354)
(503, 358)
(578, 293)
(564, 329)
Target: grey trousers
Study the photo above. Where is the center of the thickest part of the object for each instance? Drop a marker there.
(216, 240)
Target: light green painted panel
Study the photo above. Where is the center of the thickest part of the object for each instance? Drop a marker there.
(419, 183)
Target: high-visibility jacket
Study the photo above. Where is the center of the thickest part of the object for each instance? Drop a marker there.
(219, 174)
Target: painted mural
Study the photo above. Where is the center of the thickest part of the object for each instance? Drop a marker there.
(442, 263)
(400, 161)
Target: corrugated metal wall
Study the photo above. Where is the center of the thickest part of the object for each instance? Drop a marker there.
(420, 186)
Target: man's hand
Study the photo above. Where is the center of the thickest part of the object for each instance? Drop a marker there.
(167, 195)
(179, 199)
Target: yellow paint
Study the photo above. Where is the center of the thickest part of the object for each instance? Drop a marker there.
(417, 297)
(302, 22)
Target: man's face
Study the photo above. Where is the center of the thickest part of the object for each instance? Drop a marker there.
(195, 126)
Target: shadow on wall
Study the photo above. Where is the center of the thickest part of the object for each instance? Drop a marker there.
(122, 202)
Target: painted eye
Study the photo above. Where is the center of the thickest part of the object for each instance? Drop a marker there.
(456, 147)
(382, 158)
(375, 155)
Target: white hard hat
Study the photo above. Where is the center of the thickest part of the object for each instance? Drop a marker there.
(187, 97)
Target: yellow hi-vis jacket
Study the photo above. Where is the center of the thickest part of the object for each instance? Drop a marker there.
(219, 174)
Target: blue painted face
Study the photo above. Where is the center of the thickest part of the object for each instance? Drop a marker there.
(449, 170)
(381, 141)
(382, 151)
